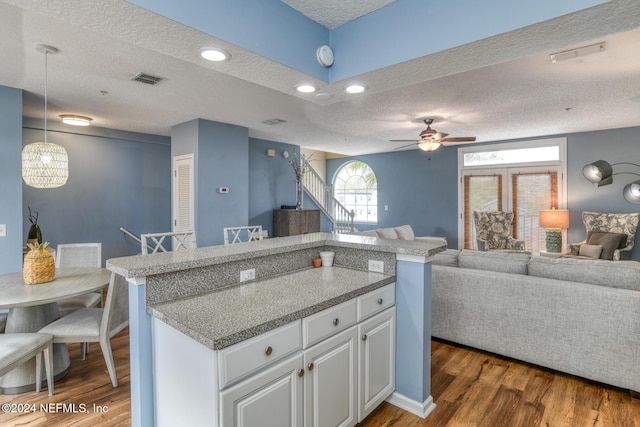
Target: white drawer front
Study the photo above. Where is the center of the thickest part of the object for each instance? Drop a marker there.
(376, 301)
(246, 357)
(328, 322)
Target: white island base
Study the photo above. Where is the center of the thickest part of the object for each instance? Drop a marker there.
(329, 369)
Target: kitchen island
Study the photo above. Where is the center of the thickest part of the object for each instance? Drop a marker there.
(192, 301)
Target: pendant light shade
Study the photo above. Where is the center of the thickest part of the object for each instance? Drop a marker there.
(44, 164)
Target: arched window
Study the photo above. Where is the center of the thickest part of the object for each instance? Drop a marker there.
(356, 187)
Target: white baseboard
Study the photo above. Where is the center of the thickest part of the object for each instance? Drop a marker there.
(420, 409)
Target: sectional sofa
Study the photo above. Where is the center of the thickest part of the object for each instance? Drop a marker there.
(577, 316)
(403, 232)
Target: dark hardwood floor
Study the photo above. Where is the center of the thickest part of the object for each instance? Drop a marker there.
(469, 387)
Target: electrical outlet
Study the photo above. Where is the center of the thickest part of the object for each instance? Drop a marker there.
(3, 230)
(377, 266)
(247, 275)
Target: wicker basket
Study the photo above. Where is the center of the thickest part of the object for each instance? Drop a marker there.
(39, 266)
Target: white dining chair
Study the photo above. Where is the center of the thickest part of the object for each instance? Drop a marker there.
(79, 255)
(96, 324)
(242, 234)
(17, 348)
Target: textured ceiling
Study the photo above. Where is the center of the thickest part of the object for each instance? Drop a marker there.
(333, 13)
(503, 87)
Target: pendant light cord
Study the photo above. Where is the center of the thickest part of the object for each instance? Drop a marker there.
(46, 83)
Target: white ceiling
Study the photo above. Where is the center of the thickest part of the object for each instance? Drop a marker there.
(333, 13)
(504, 87)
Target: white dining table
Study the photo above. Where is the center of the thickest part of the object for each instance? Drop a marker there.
(31, 307)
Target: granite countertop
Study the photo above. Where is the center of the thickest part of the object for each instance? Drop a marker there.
(223, 318)
(145, 265)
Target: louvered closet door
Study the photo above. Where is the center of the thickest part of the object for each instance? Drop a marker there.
(183, 197)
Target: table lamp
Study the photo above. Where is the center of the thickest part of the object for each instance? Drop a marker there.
(554, 220)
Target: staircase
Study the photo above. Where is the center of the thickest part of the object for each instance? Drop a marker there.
(322, 195)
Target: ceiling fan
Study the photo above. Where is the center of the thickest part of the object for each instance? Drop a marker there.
(431, 140)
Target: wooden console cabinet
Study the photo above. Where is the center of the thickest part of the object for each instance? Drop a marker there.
(291, 222)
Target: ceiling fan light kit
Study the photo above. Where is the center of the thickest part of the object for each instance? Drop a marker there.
(430, 139)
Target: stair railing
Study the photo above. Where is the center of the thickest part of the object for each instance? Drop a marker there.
(322, 195)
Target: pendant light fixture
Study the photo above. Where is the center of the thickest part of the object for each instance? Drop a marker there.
(44, 164)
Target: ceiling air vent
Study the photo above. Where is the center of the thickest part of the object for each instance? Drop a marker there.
(147, 79)
(274, 122)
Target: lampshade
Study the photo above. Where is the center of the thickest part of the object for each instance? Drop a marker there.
(631, 192)
(554, 218)
(428, 145)
(45, 165)
(599, 173)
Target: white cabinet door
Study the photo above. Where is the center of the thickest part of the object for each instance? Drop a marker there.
(271, 398)
(377, 361)
(330, 381)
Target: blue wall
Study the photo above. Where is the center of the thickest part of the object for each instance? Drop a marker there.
(221, 159)
(424, 192)
(272, 183)
(616, 145)
(116, 179)
(418, 191)
(402, 31)
(10, 179)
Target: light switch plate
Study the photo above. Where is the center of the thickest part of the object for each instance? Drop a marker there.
(3, 230)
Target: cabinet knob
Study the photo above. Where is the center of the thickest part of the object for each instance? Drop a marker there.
(336, 321)
(380, 301)
(364, 337)
(301, 372)
(268, 351)
(310, 366)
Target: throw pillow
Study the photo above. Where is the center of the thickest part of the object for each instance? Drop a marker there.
(609, 241)
(591, 251)
(387, 233)
(405, 232)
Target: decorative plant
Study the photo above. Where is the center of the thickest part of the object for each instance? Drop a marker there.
(299, 169)
(38, 246)
(35, 234)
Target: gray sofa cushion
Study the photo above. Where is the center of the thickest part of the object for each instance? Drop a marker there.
(448, 258)
(617, 274)
(501, 261)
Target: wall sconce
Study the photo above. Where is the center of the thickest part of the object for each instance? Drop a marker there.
(600, 173)
(554, 220)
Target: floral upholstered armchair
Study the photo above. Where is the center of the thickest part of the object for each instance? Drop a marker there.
(615, 232)
(493, 231)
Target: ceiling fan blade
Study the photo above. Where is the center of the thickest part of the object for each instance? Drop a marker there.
(404, 140)
(405, 146)
(460, 139)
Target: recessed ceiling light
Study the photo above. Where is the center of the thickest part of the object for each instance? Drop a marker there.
(355, 88)
(215, 54)
(306, 88)
(75, 120)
